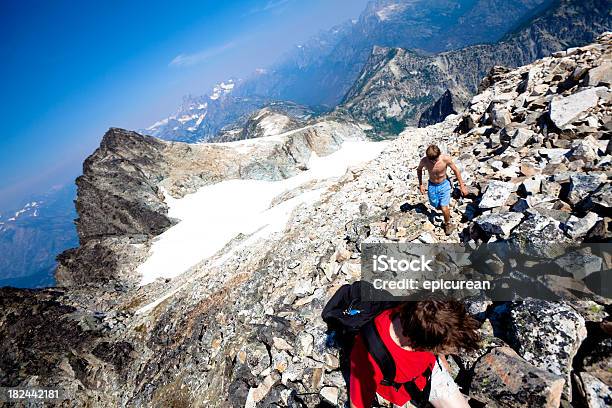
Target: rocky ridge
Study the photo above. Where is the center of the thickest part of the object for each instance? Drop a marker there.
(400, 87)
(243, 328)
(274, 119)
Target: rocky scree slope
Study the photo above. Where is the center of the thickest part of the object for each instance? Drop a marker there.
(399, 87)
(243, 328)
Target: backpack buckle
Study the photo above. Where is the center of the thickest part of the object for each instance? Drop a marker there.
(390, 383)
(352, 312)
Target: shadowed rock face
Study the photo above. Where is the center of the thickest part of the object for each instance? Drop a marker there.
(58, 335)
(397, 86)
(443, 107)
(118, 192)
(243, 328)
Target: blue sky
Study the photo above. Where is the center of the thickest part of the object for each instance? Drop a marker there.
(72, 69)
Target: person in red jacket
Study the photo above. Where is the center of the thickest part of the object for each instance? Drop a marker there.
(415, 334)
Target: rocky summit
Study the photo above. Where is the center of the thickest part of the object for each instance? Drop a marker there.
(242, 328)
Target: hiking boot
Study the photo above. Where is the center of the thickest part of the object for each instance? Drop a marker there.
(449, 228)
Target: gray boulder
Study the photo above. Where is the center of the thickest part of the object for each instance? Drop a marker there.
(540, 236)
(584, 149)
(601, 75)
(499, 223)
(603, 197)
(565, 109)
(579, 227)
(581, 185)
(547, 335)
(579, 264)
(504, 379)
(496, 194)
(520, 136)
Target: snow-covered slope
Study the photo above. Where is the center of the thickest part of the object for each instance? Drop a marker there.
(215, 214)
(146, 186)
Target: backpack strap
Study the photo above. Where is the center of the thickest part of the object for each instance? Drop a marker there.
(377, 349)
(420, 397)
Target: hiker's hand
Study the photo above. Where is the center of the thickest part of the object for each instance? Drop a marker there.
(422, 188)
(464, 190)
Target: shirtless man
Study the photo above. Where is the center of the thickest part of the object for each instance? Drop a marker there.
(439, 187)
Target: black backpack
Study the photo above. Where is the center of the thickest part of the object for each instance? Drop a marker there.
(349, 312)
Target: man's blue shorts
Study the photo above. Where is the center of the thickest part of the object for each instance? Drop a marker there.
(439, 194)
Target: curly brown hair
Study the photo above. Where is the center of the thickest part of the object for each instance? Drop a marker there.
(439, 326)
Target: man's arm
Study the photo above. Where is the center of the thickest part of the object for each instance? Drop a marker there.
(420, 177)
(455, 170)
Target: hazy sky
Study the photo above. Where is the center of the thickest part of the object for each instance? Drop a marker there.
(72, 69)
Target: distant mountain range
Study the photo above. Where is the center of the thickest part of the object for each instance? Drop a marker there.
(397, 86)
(211, 116)
(201, 117)
(33, 235)
(322, 70)
(319, 72)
